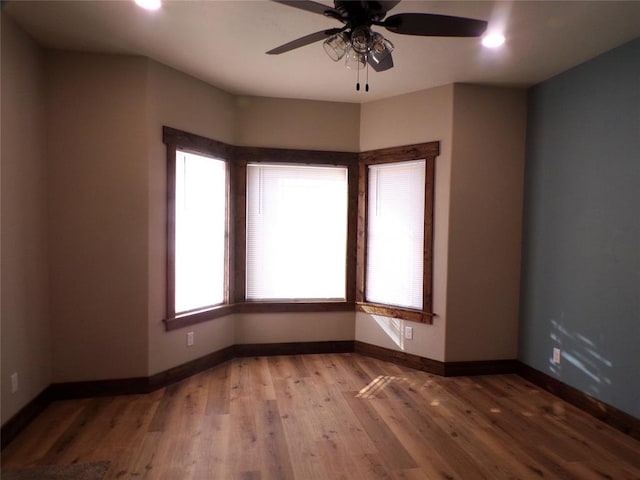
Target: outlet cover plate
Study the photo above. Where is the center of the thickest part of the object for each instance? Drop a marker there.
(408, 333)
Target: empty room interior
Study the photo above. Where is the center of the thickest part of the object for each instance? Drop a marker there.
(315, 240)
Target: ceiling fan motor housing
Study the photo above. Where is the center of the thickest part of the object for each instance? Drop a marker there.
(359, 13)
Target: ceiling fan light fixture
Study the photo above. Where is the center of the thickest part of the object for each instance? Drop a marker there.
(380, 49)
(493, 40)
(149, 4)
(355, 60)
(361, 38)
(336, 46)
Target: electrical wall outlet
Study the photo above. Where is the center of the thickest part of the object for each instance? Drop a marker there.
(190, 339)
(556, 355)
(14, 382)
(408, 333)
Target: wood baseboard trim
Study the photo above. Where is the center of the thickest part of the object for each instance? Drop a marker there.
(608, 414)
(175, 374)
(98, 388)
(140, 385)
(400, 358)
(444, 369)
(304, 348)
(480, 367)
(28, 413)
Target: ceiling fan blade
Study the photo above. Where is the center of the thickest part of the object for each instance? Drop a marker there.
(307, 5)
(302, 41)
(386, 64)
(428, 24)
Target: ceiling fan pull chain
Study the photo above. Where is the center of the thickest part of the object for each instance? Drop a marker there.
(358, 81)
(366, 87)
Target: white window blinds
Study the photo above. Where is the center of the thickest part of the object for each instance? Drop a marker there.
(395, 232)
(296, 232)
(200, 222)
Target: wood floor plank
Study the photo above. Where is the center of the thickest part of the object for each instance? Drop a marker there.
(79, 439)
(214, 447)
(387, 445)
(219, 390)
(302, 441)
(276, 463)
(353, 376)
(251, 378)
(322, 369)
(43, 433)
(244, 453)
(330, 417)
(144, 461)
(427, 455)
(338, 424)
(280, 368)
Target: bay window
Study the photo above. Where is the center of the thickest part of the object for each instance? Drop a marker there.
(278, 230)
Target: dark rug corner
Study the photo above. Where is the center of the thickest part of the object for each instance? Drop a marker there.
(77, 471)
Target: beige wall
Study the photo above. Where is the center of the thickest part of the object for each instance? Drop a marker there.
(294, 327)
(487, 177)
(98, 195)
(24, 299)
(298, 124)
(419, 117)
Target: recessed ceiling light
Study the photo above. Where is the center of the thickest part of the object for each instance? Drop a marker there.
(493, 40)
(149, 4)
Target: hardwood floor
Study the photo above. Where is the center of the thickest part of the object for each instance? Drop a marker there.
(335, 416)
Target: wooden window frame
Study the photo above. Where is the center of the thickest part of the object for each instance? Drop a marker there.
(178, 140)
(423, 151)
(254, 155)
(237, 159)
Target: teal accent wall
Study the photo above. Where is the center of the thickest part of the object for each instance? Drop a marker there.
(580, 287)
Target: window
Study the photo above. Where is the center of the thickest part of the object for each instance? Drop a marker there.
(197, 228)
(395, 234)
(200, 230)
(296, 232)
(395, 221)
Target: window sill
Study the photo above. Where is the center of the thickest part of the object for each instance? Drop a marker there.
(411, 315)
(293, 306)
(296, 306)
(182, 320)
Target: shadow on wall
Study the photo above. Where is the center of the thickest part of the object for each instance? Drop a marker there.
(579, 355)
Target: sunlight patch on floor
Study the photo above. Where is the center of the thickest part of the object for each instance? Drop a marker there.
(378, 384)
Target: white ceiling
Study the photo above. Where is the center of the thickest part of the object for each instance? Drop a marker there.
(224, 42)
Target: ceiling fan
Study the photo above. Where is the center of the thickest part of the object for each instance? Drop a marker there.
(361, 46)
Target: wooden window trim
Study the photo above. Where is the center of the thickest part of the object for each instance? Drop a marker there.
(178, 140)
(245, 155)
(423, 151)
(293, 306)
(237, 159)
